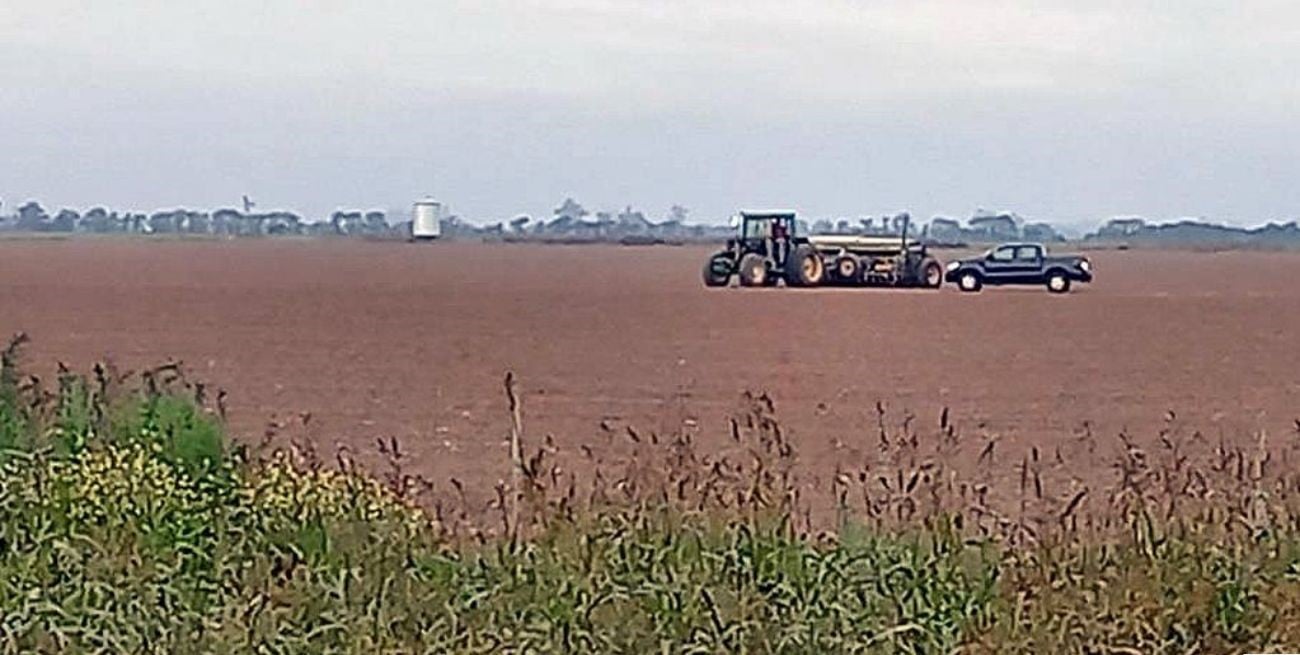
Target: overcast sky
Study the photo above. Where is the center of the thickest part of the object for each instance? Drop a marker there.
(1063, 111)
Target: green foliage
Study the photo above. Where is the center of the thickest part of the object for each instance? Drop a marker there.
(127, 524)
(14, 429)
(181, 432)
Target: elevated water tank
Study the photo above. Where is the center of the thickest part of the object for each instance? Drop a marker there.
(426, 219)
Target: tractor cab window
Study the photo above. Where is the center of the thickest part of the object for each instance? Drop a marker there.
(757, 228)
(1003, 254)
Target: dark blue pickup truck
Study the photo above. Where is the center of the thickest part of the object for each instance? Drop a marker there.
(1019, 263)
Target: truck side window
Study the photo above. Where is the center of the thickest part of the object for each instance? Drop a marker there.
(1027, 253)
(1004, 254)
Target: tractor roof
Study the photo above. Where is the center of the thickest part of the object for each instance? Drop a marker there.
(767, 213)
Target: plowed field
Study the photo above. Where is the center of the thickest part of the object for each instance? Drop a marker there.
(412, 341)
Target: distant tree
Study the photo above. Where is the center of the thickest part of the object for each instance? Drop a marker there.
(678, 213)
(570, 209)
(32, 217)
(604, 222)
(346, 222)
(997, 227)
(198, 223)
(631, 221)
(97, 221)
(376, 222)
(137, 223)
(226, 221)
(65, 221)
(165, 222)
(1122, 227)
(901, 221)
(1041, 232)
(452, 226)
(562, 224)
(282, 223)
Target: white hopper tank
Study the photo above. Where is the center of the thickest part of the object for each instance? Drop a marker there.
(426, 219)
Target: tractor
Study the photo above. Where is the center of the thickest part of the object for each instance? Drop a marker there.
(767, 249)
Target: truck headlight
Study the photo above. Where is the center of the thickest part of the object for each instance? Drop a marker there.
(1085, 265)
(952, 266)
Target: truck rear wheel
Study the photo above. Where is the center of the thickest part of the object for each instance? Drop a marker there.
(1058, 282)
(752, 271)
(804, 267)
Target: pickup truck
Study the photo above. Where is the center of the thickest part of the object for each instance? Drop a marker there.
(1019, 263)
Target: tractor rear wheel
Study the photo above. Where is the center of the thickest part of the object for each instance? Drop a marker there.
(804, 267)
(752, 271)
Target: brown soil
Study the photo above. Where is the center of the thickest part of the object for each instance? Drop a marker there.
(412, 341)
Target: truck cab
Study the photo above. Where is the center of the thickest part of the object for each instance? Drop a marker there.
(1018, 263)
(1022, 264)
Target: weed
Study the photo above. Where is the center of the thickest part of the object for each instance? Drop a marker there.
(129, 524)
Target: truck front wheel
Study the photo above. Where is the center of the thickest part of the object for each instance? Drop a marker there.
(970, 282)
(1058, 282)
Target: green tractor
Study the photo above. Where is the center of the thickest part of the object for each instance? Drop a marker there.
(766, 249)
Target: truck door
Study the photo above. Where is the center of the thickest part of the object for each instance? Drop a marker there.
(1029, 264)
(1015, 264)
(1000, 265)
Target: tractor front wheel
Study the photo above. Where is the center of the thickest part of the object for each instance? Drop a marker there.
(712, 278)
(753, 270)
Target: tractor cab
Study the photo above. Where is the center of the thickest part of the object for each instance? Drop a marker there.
(758, 227)
(764, 251)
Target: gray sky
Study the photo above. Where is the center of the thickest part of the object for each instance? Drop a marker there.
(1063, 111)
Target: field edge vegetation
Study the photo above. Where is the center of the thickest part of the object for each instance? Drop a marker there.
(129, 523)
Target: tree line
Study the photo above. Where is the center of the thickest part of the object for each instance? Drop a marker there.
(32, 217)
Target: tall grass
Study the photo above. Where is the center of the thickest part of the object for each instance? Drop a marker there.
(129, 524)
